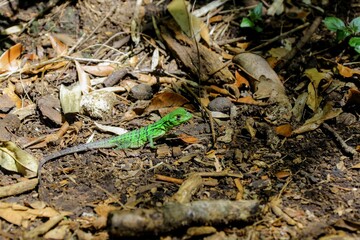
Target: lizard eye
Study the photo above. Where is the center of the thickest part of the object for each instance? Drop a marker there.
(178, 117)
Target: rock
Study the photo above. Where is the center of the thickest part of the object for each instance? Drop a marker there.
(98, 104)
(141, 92)
(220, 104)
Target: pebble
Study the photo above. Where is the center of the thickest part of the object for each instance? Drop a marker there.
(141, 92)
(220, 104)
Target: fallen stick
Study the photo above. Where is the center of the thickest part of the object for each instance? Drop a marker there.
(174, 216)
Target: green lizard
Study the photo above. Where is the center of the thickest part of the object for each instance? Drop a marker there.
(133, 139)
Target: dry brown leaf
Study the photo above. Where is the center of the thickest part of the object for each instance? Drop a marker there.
(347, 72)
(8, 61)
(99, 70)
(284, 130)
(59, 47)
(188, 139)
(165, 100)
(10, 92)
(283, 174)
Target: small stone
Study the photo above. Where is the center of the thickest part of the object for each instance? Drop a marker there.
(98, 104)
(220, 104)
(141, 92)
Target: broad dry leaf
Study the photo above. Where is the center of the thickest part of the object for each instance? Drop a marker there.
(166, 100)
(14, 159)
(191, 25)
(8, 61)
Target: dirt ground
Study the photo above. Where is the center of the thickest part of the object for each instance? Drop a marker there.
(305, 184)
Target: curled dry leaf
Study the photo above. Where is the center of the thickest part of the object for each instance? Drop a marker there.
(84, 79)
(8, 61)
(14, 159)
(100, 70)
(59, 47)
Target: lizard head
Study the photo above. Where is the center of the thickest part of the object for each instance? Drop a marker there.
(177, 117)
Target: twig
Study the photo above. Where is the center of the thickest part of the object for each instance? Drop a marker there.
(281, 36)
(338, 139)
(300, 44)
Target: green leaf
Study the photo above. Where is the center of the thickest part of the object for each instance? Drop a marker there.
(355, 43)
(334, 24)
(246, 23)
(255, 14)
(258, 29)
(355, 25)
(342, 34)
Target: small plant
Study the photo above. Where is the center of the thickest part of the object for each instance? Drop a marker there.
(254, 17)
(343, 31)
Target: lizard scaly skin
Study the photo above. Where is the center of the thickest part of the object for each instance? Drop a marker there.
(133, 139)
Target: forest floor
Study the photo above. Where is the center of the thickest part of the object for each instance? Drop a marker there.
(267, 155)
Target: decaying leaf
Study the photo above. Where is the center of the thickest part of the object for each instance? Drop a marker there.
(328, 112)
(14, 159)
(189, 24)
(314, 98)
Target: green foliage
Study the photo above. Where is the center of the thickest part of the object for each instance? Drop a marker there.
(254, 17)
(343, 31)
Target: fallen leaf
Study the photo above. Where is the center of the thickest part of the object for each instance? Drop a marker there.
(188, 139)
(283, 174)
(284, 130)
(8, 61)
(100, 70)
(14, 159)
(84, 79)
(347, 72)
(59, 47)
(166, 100)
